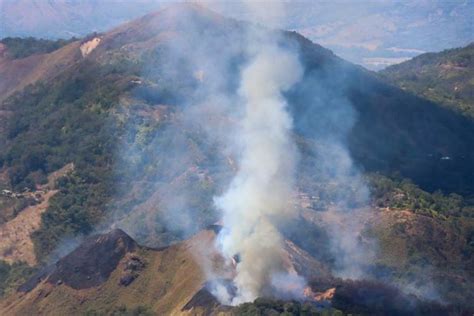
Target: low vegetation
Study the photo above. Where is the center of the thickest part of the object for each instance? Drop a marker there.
(13, 275)
(265, 306)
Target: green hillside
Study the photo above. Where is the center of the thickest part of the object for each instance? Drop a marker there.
(446, 77)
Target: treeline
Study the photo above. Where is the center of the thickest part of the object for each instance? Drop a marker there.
(268, 306)
(403, 194)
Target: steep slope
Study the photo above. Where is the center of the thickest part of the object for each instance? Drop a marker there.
(109, 271)
(18, 73)
(16, 244)
(393, 131)
(446, 77)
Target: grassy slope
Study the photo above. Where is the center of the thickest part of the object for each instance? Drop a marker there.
(23, 47)
(432, 254)
(19, 73)
(168, 281)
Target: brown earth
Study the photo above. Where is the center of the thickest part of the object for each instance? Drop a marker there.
(54, 176)
(169, 279)
(15, 235)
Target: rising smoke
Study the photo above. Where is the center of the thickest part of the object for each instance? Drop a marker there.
(236, 103)
(259, 197)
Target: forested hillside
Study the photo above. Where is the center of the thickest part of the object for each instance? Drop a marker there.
(446, 77)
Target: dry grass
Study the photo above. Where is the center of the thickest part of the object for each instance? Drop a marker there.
(18, 73)
(15, 235)
(169, 280)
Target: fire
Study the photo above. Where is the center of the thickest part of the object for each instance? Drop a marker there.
(319, 296)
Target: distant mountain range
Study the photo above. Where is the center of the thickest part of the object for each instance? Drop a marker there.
(374, 34)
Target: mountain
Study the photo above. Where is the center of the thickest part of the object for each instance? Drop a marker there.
(446, 77)
(414, 143)
(118, 106)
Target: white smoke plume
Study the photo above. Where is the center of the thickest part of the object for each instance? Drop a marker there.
(259, 197)
(238, 100)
